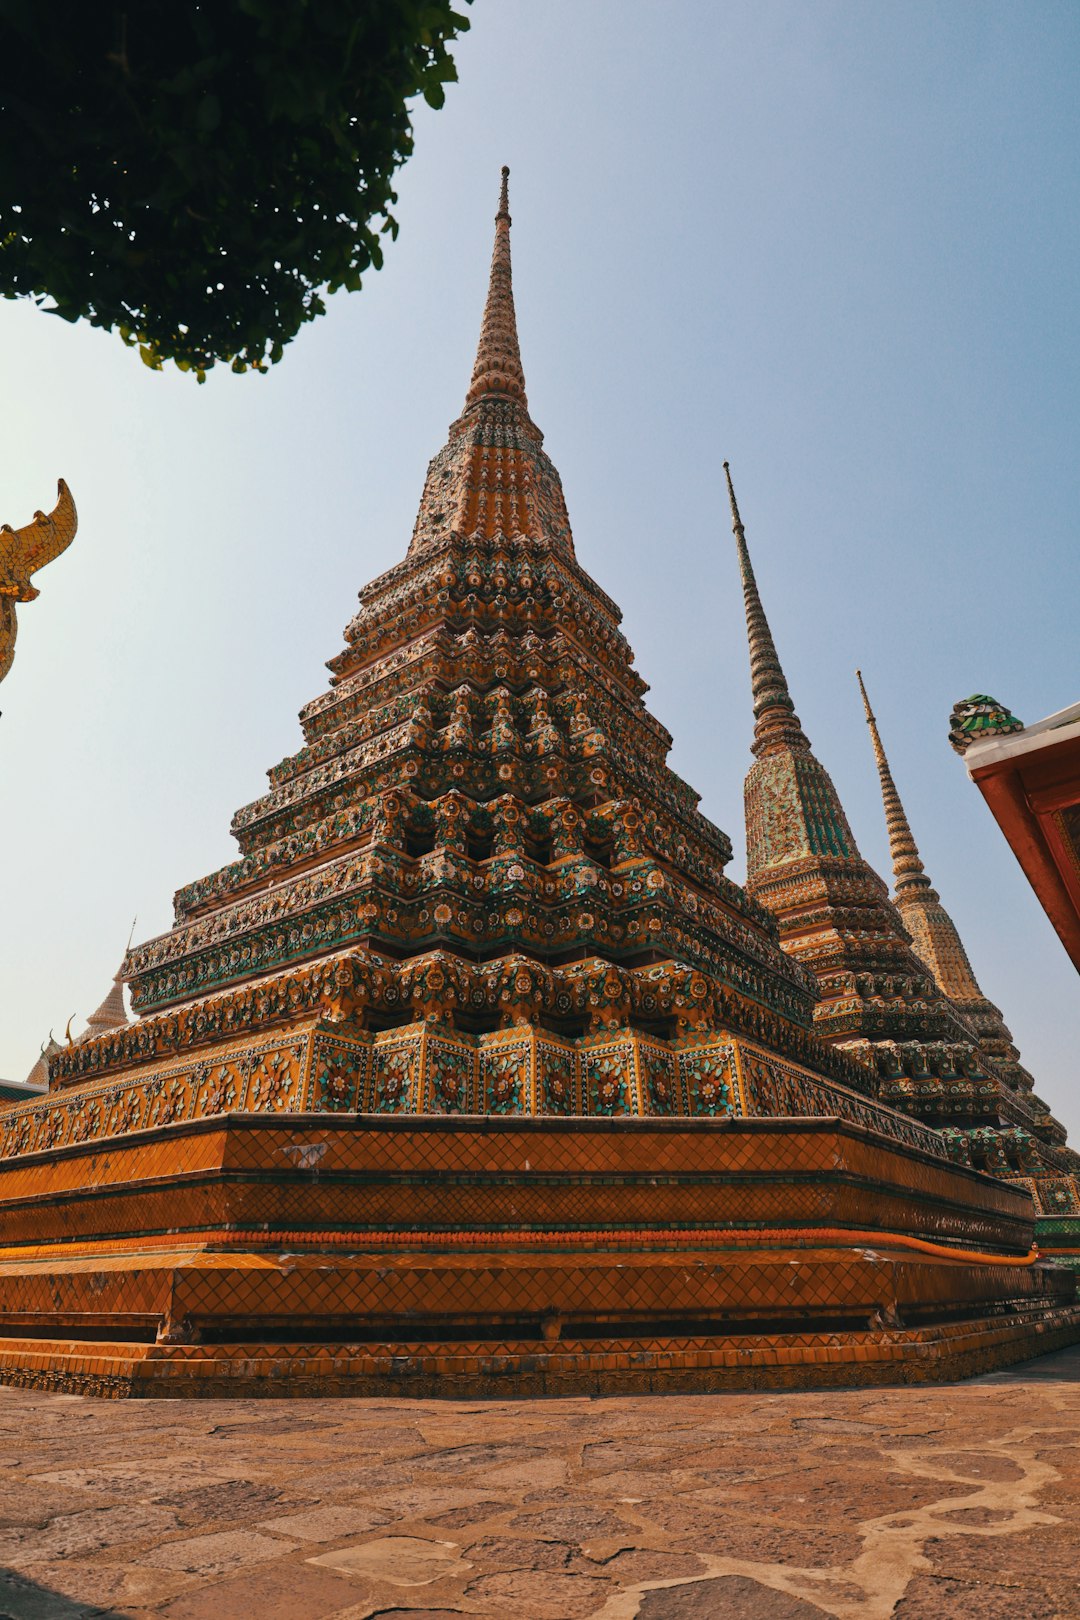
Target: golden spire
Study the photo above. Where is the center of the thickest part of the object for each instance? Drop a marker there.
(775, 722)
(497, 370)
(906, 862)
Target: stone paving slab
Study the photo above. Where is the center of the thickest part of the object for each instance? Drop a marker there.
(958, 1500)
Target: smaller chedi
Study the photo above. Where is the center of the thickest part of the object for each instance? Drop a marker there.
(1023, 1141)
(109, 1016)
(896, 990)
(22, 553)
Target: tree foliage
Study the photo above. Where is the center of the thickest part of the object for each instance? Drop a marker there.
(195, 174)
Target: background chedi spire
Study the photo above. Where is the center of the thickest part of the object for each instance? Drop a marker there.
(110, 1014)
(934, 935)
(906, 862)
(776, 724)
(832, 908)
(497, 369)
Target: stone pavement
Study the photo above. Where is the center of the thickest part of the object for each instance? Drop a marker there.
(915, 1503)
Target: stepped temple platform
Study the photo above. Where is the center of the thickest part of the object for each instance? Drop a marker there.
(316, 1252)
(474, 1074)
(257, 1254)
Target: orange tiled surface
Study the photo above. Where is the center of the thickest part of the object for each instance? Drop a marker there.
(526, 1368)
(705, 1248)
(352, 1173)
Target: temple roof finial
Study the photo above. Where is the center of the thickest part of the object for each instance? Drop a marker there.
(775, 722)
(497, 371)
(906, 862)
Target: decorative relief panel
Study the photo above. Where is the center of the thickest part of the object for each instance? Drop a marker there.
(610, 1079)
(261, 1078)
(396, 1070)
(775, 1089)
(449, 1077)
(658, 1080)
(1056, 1197)
(505, 1073)
(340, 1074)
(557, 1088)
(433, 1068)
(708, 1078)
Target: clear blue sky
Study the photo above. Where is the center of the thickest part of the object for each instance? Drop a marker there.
(836, 243)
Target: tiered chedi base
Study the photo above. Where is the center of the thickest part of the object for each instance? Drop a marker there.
(669, 1238)
(370, 1255)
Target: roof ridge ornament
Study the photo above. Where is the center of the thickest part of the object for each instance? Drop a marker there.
(22, 552)
(977, 718)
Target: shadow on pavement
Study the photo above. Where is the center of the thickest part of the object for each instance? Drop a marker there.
(1060, 1367)
(23, 1599)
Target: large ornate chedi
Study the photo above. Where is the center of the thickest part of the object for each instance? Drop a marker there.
(474, 1072)
(896, 988)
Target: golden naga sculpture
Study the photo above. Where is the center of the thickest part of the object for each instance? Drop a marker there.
(22, 553)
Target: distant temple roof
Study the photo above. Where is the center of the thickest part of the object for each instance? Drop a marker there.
(38, 1078)
(17, 1090)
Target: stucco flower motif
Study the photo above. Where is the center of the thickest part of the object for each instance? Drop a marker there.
(661, 1090)
(559, 1086)
(337, 1087)
(504, 1084)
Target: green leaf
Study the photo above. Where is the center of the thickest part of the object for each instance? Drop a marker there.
(199, 197)
(208, 116)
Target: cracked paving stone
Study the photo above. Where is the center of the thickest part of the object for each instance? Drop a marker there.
(24, 1600)
(219, 1554)
(573, 1522)
(106, 1587)
(632, 1565)
(508, 1552)
(75, 1535)
(541, 1594)
(399, 1560)
(726, 1597)
(414, 1614)
(933, 1598)
(287, 1592)
(1040, 1552)
(463, 1459)
(233, 1499)
(730, 1498)
(327, 1523)
(460, 1518)
(977, 1466)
